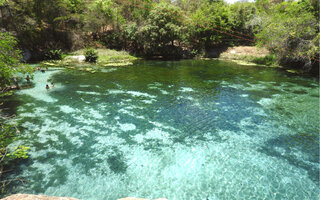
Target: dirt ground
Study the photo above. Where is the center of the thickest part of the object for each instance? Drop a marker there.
(240, 51)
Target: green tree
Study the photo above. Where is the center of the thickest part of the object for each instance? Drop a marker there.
(207, 19)
(163, 27)
(133, 38)
(241, 14)
(10, 57)
(9, 67)
(42, 25)
(188, 5)
(290, 30)
(99, 14)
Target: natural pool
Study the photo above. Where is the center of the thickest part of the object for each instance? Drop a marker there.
(182, 130)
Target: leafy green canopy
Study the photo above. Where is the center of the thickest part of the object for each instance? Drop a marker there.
(156, 27)
(10, 57)
(164, 25)
(214, 21)
(10, 67)
(206, 18)
(290, 29)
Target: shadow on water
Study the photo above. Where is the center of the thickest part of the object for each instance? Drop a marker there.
(116, 163)
(58, 176)
(10, 105)
(308, 144)
(6, 179)
(40, 183)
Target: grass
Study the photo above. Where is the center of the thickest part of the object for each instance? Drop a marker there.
(106, 58)
(267, 60)
(250, 55)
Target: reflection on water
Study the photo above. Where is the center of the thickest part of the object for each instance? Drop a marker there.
(180, 130)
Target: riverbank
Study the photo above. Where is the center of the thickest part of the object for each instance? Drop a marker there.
(106, 58)
(249, 55)
(256, 56)
(242, 55)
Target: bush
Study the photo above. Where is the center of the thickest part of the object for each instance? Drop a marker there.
(54, 54)
(91, 55)
(63, 56)
(267, 60)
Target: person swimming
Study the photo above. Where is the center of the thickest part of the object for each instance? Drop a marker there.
(28, 78)
(52, 85)
(47, 87)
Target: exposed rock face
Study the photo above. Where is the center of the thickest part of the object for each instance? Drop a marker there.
(43, 197)
(35, 197)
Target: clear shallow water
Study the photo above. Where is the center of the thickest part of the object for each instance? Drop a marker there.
(180, 130)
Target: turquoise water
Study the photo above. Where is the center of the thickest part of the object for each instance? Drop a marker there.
(180, 130)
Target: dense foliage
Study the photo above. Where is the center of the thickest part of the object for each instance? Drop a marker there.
(164, 25)
(290, 29)
(54, 54)
(9, 58)
(10, 64)
(10, 68)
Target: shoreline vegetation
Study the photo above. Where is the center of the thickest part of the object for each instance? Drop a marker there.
(112, 58)
(167, 29)
(106, 58)
(242, 55)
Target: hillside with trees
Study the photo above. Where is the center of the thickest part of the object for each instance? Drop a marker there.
(173, 29)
